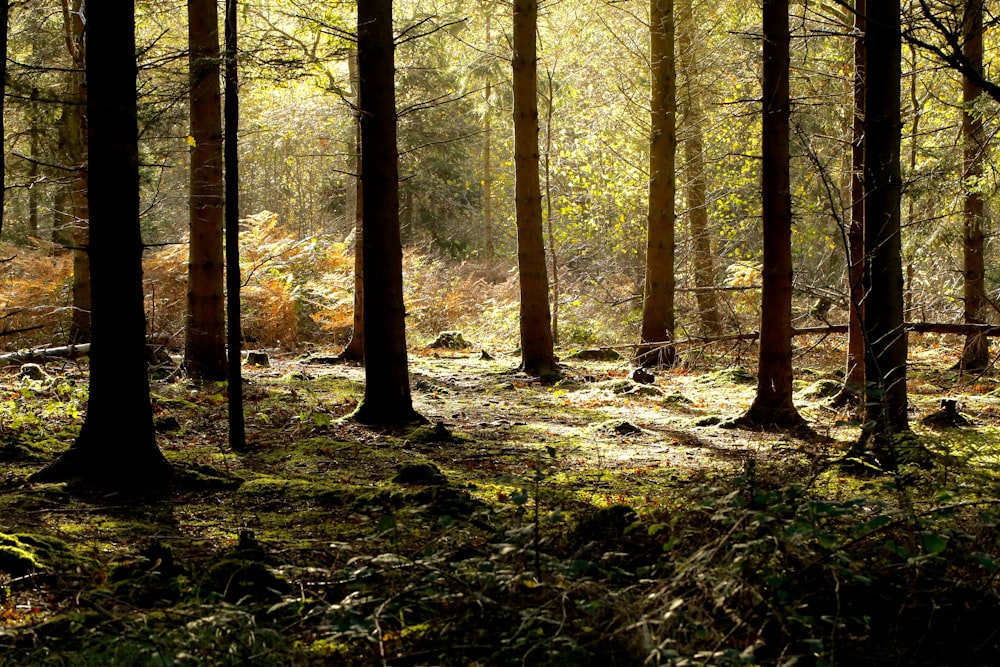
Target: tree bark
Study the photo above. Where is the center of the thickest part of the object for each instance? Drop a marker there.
(696, 181)
(116, 447)
(885, 358)
(658, 291)
(234, 333)
(355, 349)
(537, 353)
(205, 325)
(5, 27)
(976, 352)
(772, 407)
(387, 383)
(73, 140)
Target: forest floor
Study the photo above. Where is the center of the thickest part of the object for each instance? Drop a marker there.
(593, 520)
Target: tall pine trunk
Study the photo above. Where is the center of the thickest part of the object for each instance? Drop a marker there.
(772, 407)
(234, 333)
(387, 382)
(976, 353)
(885, 357)
(537, 353)
(696, 188)
(205, 325)
(658, 291)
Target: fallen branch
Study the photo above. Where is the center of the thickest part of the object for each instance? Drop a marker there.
(44, 353)
(916, 327)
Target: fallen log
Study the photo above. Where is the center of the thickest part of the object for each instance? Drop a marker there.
(916, 327)
(41, 354)
(38, 354)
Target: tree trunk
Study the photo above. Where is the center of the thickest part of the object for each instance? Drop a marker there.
(33, 171)
(73, 139)
(885, 358)
(387, 381)
(5, 26)
(976, 353)
(537, 353)
(205, 325)
(116, 447)
(234, 333)
(772, 407)
(658, 293)
(694, 175)
(854, 379)
(355, 349)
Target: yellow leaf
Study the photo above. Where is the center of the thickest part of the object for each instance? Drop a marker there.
(191, 142)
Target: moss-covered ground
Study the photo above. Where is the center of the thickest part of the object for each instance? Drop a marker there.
(591, 521)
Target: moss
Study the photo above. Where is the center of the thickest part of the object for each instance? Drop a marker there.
(822, 389)
(15, 560)
(728, 376)
(420, 474)
(595, 355)
(238, 580)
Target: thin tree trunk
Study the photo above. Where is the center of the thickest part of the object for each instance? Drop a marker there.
(549, 110)
(73, 137)
(33, 172)
(696, 181)
(885, 358)
(976, 353)
(658, 293)
(537, 353)
(205, 325)
(854, 379)
(772, 407)
(488, 181)
(387, 383)
(5, 27)
(234, 333)
(355, 349)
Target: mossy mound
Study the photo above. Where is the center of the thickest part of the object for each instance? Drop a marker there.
(23, 553)
(420, 474)
(822, 389)
(677, 399)
(449, 340)
(619, 427)
(626, 387)
(728, 376)
(436, 433)
(595, 355)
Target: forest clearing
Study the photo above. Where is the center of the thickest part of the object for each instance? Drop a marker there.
(476, 332)
(592, 520)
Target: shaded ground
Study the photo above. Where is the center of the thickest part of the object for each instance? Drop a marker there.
(594, 521)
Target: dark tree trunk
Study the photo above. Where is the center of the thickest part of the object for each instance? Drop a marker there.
(387, 382)
(976, 353)
(205, 326)
(772, 406)
(116, 447)
(234, 334)
(537, 353)
(885, 358)
(658, 293)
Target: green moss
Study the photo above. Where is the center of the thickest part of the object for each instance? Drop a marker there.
(21, 553)
(822, 389)
(728, 376)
